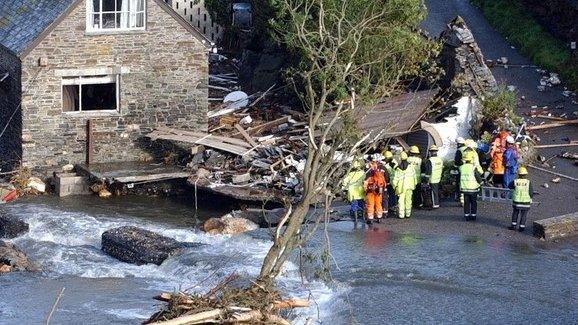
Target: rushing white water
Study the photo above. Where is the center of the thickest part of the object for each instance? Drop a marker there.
(67, 244)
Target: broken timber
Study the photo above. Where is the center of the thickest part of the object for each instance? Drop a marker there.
(551, 125)
(241, 193)
(231, 145)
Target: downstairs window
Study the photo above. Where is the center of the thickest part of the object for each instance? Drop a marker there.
(90, 93)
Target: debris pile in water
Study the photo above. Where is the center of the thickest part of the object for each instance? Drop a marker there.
(226, 305)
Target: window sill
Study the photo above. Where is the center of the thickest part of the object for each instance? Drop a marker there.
(114, 32)
(93, 114)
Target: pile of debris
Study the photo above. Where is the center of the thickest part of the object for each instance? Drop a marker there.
(463, 61)
(254, 149)
(225, 304)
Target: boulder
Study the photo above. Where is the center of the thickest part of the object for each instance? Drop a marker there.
(13, 259)
(229, 225)
(11, 227)
(139, 246)
(557, 227)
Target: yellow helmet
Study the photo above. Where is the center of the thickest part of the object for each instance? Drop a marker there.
(414, 149)
(523, 171)
(403, 155)
(433, 148)
(387, 154)
(356, 163)
(468, 158)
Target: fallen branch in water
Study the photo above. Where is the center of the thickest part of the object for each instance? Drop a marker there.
(222, 304)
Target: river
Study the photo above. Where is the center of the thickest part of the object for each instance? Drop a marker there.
(379, 277)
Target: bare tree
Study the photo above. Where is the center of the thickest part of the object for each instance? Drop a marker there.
(353, 53)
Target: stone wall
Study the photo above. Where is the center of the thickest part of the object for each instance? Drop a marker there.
(10, 89)
(163, 81)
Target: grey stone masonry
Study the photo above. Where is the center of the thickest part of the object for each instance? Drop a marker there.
(557, 227)
(163, 76)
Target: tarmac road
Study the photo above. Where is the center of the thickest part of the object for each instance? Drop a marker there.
(559, 198)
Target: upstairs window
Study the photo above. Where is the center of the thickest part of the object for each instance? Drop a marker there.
(106, 15)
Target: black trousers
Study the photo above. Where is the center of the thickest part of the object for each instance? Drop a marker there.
(470, 205)
(519, 216)
(385, 201)
(416, 196)
(435, 195)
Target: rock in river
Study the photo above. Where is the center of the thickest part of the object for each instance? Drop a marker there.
(13, 259)
(138, 246)
(11, 227)
(229, 225)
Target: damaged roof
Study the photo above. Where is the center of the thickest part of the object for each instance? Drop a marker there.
(22, 21)
(397, 115)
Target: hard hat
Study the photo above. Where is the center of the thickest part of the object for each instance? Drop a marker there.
(403, 155)
(523, 171)
(510, 139)
(460, 140)
(433, 148)
(414, 149)
(387, 154)
(468, 158)
(377, 157)
(356, 164)
(471, 144)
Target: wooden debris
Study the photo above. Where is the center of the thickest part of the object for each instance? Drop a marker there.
(246, 135)
(291, 303)
(571, 144)
(199, 318)
(552, 125)
(553, 173)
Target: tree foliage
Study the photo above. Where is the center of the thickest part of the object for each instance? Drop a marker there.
(349, 52)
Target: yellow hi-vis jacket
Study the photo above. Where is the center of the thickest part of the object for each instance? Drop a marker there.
(415, 163)
(521, 194)
(404, 180)
(437, 166)
(353, 182)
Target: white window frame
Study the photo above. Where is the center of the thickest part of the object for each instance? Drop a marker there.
(131, 14)
(91, 80)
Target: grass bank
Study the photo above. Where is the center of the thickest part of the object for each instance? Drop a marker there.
(514, 21)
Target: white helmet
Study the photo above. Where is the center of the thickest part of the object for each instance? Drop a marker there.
(460, 140)
(510, 139)
(377, 157)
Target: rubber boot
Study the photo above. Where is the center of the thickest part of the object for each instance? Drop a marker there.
(512, 226)
(521, 228)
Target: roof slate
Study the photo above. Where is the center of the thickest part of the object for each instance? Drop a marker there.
(22, 21)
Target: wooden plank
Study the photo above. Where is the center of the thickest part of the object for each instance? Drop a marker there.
(246, 135)
(269, 125)
(196, 140)
(553, 173)
(237, 142)
(153, 177)
(571, 144)
(552, 125)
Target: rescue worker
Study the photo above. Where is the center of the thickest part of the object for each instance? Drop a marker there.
(497, 156)
(510, 162)
(414, 160)
(378, 158)
(461, 147)
(472, 149)
(353, 183)
(433, 168)
(470, 180)
(404, 185)
(390, 165)
(521, 200)
(373, 187)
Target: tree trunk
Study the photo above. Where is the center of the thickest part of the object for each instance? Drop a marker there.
(284, 244)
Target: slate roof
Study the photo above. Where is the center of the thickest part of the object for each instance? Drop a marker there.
(22, 21)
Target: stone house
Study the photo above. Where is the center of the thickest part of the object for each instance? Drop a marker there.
(125, 65)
